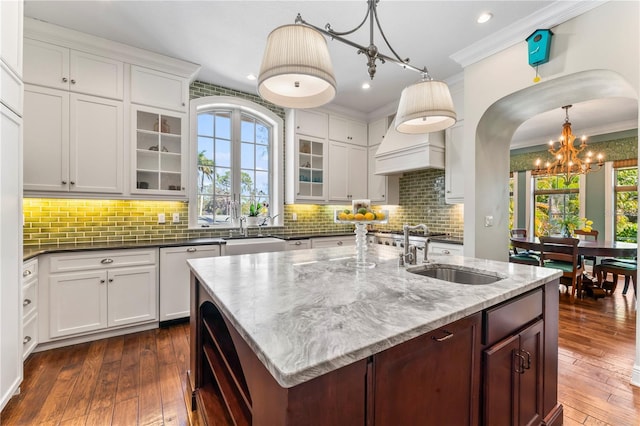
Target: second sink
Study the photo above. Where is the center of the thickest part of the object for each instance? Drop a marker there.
(455, 274)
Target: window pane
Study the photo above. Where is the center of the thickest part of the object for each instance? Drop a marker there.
(205, 210)
(223, 181)
(223, 153)
(223, 125)
(262, 183)
(246, 156)
(247, 182)
(262, 157)
(247, 131)
(626, 217)
(205, 149)
(205, 180)
(205, 124)
(262, 134)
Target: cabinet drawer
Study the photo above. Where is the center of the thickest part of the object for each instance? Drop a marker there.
(508, 318)
(101, 260)
(29, 270)
(333, 242)
(443, 248)
(298, 245)
(29, 336)
(29, 298)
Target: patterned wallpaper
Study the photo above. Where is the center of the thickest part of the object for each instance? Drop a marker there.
(67, 221)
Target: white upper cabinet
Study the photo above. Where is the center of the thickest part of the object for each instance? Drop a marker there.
(454, 171)
(58, 67)
(158, 89)
(11, 35)
(311, 123)
(343, 129)
(377, 130)
(347, 172)
(72, 142)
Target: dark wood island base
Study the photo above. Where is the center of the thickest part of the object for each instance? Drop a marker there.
(495, 367)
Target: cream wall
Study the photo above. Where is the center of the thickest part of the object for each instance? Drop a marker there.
(500, 95)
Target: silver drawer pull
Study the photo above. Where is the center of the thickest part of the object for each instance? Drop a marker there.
(106, 261)
(26, 302)
(446, 252)
(26, 273)
(26, 340)
(298, 243)
(339, 243)
(447, 335)
(65, 79)
(192, 250)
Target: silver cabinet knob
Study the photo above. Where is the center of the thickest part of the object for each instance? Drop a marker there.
(298, 243)
(26, 340)
(102, 281)
(64, 182)
(339, 243)
(73, 81)
(110, 280)
(72, 182)
(26, 302)
(26, 273)
(65, 79)
(192, 250)
(106, 261)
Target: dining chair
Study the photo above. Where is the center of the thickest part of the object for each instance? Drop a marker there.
(525, 257)
(626, 267)
(588, 236)
(562, 253)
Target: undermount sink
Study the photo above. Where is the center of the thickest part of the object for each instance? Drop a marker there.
(253, 245)
(455, 274)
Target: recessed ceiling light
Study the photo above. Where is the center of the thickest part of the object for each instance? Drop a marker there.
(366, 86)
(484, 17)
(251, 77)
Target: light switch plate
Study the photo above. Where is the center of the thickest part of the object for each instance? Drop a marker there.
(176, 218)
(161, 218)
(488, 221)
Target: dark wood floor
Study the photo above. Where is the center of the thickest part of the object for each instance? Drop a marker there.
(140, 379)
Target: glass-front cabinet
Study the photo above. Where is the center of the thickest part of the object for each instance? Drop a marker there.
(159, 155)
(311, 168)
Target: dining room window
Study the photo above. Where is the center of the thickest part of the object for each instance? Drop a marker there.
(555, 200)
(626, 202)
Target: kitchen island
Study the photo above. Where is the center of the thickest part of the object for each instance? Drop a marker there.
(302, 338)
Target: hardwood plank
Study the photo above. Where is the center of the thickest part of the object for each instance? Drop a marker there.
(128, 382)
(113, 351)
(100, 417)
(106, 386)
(150, 402)
(75, 421)
(125, 413)
(80, 398)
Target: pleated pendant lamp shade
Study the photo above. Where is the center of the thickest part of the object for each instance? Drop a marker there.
(425, 107)
(296, 69)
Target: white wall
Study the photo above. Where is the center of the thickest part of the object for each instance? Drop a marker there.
(500, 95)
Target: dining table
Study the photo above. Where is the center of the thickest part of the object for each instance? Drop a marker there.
(601, 248)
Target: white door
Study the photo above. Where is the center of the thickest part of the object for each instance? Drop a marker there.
(358, 177)
(96, 145)
(133, 295)
(46, 139)
(77, 302)
(46, 64)
(174, 278)
(338, 172)
(10, 256)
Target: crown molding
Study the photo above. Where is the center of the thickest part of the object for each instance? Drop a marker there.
(50, 33)
(548, 17)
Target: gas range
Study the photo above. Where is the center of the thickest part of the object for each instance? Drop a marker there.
(396, 238)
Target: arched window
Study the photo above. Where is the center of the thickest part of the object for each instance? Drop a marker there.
(236, 153)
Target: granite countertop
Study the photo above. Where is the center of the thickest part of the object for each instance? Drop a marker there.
(305, 313)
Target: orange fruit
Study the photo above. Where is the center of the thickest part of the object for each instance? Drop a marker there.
(350, 216)
(359, 216)
(369, 216)
(342, 216)
(380, 216)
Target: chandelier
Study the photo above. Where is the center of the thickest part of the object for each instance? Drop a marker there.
(567, 156)
(296, 72)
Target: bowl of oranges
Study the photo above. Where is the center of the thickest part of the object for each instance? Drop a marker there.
(361, 215)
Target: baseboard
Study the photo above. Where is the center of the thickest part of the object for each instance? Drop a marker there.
(555, 416)
(635, 375)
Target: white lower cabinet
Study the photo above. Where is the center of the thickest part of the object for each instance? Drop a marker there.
(321, 242)
(175, 276)
(99, 290)
(298, 244)
(446, 248)
(29, 307)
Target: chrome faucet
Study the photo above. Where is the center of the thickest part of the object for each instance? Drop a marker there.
(409, 249)
(243, 229)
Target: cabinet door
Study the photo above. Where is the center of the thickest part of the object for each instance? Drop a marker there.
(357, 132)
(339, 172)
(377, 130)
(358, 176)
(311, 165)
(377, 183)
(96, 75)
(158, 89)
(11, 249)
(46, 64)
(96, 145)
(46, 139)
(175, 276)
(530, 398)
(133, 295)
(11, 13)
(454, 172)
(77, 303)
(312, 123)
(433, 379)
(338, 128)
(158, 152)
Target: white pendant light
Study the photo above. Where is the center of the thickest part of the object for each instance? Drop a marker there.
(296, 69)
(425, 107)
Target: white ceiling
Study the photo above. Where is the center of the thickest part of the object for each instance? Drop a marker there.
(227, 39)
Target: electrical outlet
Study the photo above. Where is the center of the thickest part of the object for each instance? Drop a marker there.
(294, 216)
(488, 221)
(161, 218)
(176, 218)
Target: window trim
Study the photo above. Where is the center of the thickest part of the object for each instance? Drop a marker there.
(276, 158)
